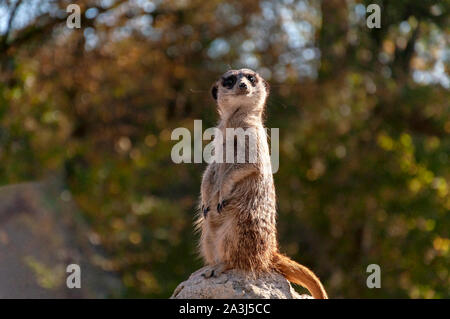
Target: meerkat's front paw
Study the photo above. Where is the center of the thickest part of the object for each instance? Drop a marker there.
(221, 205)
(205, 210)
(214, 271)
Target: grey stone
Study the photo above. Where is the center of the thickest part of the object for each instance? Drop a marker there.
(235, 284)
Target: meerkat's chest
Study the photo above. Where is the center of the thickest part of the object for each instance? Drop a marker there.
(240, 145)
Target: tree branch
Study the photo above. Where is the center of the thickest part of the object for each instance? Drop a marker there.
(4, 39)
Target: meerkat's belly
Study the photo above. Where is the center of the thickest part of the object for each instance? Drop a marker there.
(246, 226)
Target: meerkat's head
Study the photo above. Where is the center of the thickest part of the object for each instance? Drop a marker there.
(242, 88)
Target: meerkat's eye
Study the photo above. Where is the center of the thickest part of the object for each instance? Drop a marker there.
(229, 81)
(251, 78)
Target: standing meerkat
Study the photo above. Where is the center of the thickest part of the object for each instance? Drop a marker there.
(238, 202)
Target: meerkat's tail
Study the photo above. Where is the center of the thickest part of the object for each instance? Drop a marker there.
(299, 274)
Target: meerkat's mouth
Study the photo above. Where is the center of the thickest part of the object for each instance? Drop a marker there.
(243, 92)
(246, 91)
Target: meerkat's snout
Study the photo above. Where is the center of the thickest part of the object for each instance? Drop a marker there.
(243, 89)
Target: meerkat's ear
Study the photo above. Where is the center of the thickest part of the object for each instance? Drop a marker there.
(214, 90)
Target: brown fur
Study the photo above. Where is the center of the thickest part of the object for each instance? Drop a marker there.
(242, 234)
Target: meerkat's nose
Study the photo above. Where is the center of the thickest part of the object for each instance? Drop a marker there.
(242, 86)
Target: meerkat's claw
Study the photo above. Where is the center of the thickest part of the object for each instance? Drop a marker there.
(205, 211)
(221, 205)
(208, 273)
(214, 271)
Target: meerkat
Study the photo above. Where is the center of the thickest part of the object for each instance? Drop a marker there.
(237, 216)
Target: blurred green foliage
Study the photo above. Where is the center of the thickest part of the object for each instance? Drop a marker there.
(363, 117)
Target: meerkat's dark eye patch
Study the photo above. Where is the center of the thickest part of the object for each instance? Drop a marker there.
(229, 82)
(251, 78)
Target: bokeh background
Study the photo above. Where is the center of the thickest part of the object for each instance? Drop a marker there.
(86, 117)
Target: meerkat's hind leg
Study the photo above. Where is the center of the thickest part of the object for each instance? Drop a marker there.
(215, 270)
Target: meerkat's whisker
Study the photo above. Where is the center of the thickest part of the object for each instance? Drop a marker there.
(197, 91)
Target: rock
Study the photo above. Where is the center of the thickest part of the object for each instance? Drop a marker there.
(235, 284)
